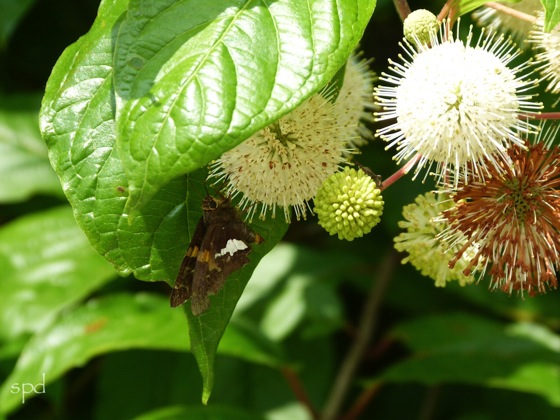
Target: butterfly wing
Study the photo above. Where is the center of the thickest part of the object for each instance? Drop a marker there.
(184, 283)
(224, 250)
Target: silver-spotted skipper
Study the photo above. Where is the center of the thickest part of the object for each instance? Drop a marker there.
(220, 245)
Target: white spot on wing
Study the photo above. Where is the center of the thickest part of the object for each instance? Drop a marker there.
(232, 246)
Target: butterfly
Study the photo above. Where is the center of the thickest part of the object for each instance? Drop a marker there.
(220, 245)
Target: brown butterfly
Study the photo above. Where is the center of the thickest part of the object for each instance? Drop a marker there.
(220, 245)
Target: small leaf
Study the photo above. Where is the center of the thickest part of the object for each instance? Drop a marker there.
(244, 339)
(24, 166)
(207, 329)
(46, 265)
(192, 82)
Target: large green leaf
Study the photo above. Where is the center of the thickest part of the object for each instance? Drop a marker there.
(47, 264)
(24, 167)
(115, 323)
(194, 78)
(157, 89)
(78, 123)
(464, 348)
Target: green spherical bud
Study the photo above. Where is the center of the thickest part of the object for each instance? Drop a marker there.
(418, 26)
(349, 204)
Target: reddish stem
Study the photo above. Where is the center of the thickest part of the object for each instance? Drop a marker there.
(295, 384)
(403, 9)
(400, 173)
(542, 116)
(512, 12)
(362, 402)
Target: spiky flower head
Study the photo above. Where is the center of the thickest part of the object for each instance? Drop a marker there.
(547, 58)
(419, 26)
(284, 164)
(426, 251)
(349, 204)
(514, 218)
(355, 100)
(456, 104)
(497, 20)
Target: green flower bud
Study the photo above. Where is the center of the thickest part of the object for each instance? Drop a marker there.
(349, 204)
(418, 26)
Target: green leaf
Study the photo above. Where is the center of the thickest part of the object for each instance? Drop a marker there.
(207, 329)
(188, 83)
(244, 339)
(475, 350)
(551, 14)
(192, 82)
(11, 13)
(77, 122)
(121, 322)
(46, 265)
(24, 167)
(287, 309)
(113, 323)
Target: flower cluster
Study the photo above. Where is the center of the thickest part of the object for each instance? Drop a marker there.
(462, 110)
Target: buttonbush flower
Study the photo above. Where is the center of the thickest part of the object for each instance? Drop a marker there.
(427, 252)
(547, 58)
(514, 219)
(355, 103)
(455, 104)
(284, 164)
(420, 25)
(349, 204)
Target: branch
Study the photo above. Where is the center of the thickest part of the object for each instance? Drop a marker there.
(295, 384)
(403, 9)
(512, 12)
(367, 325)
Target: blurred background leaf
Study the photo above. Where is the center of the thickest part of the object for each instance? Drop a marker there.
(11, 13)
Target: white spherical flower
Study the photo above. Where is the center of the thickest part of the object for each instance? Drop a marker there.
(456, 104)
(547, 59)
